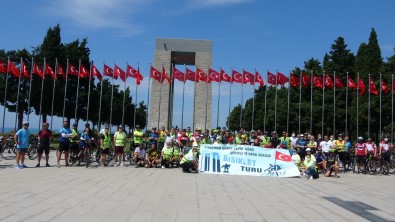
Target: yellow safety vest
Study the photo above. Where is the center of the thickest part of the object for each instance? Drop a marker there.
(119, 139)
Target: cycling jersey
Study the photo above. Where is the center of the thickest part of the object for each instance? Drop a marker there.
(384, 147)
(360, 149)
(340, 145)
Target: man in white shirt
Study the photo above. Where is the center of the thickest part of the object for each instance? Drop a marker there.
(326, 145)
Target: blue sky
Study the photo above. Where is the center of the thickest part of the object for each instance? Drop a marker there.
(252, 34)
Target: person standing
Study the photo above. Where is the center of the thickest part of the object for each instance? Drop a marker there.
(120, 143)
(64, 143)
(44, 138)
(21, 139)
(105, 144)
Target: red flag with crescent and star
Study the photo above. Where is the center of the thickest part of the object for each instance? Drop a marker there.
(372, 87)
(338, 82)
(83, 71)
(118, 72)
(283, 157)
(317, 81)
(95, 72)
(271, 78)
(49, 71)
(294, 80)
(190, 75)
(361, 87)
(225, 77)
(248, 77)
(177, 74)
(306, 80)
(60, 71)
(202, 76)
(281, 78)
(237, 77)
(155, 74)
(3, 67)
(328, 82)
(72, 70)
(258, 78)
(37, 70)
(24, 70)
(165, 75)
(107, 71)
(351, 83)
(214, 75)
(12, 69)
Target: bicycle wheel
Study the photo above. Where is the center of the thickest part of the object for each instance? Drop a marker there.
(14, 149)
(87, 158)
(32, 153)
(385, 168)
(98, 155)
(392, 166)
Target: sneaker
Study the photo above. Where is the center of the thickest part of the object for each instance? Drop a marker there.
(58, 166)
(137, 166)
(24, 166)
(121, 164)
(115, 165)
(311, 177)
(38, 165)
(18, 166)
(47, 165)
(163, 167)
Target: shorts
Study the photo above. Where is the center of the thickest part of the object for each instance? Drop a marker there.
(119, 150)
(186, 166)
(21, 150)
(64, 146)
(74, 147)
(361, 159)
(342, 156)
(105, 151)
(386, 156)
(43, 148)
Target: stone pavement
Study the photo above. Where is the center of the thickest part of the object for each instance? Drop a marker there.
(138, 194)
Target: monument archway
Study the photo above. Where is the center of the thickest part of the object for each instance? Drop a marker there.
(171, 52)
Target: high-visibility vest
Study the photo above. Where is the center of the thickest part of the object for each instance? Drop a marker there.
(168, 152)
(137, 136)
(106, 141)
(340, 145)
(119, 139)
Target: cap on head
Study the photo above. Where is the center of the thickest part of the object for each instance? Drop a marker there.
(137, 126)
(154, 128)
(386, 139)
(360, 138)
(75, 124)
(25, 123)
(120, 126)
(308, 150)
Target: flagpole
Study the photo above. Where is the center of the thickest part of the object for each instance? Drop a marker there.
(41, 99)
(89, 92)
(358, 104)
(65, 90)
(53, 90)
(219, 96)
(78, 86)
(323, 103)
(5, 92)
(311, 101)
(205, 118)
(392, 110)
(264, 115)
(380, 104)
(300, 97)
(275, 103)
(112, 95)
(369, 107)
(101, 93)
(160, 96)
(253, 104)
(241, 99)
(183, 92)
(230, 101)
(334, 103)
(346, 130)
(289, 89)
(135, 106)
(30, 90)
(17, 95)
(124, 96)
(148, 104)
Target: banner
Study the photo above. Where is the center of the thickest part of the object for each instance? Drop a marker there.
(246, 160)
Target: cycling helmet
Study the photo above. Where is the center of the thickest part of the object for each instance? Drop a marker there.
(360, 139)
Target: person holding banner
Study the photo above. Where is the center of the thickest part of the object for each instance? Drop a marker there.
(189, 163)
(309, 165)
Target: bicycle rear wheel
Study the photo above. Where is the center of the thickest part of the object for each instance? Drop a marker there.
(385, 168)
(32, 153)
(87, 158)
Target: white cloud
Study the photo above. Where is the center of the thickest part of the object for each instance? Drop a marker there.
(115, 15)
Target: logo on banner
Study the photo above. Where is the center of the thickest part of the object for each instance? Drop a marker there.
(274, 171)
(216, 163)
(226, 168)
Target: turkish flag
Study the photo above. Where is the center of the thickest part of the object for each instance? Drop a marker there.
(202, 76)
(37, 70)
(190, 75)
(72, 71)
(165, 76)
(271, 78)
(3, 67)
(283, 157)
(237, 77)
(13, 70)
(338, 82)
(107, 71)
(384, 87)
(83, 71)
(351, 83)
(95, 72)
(131, 72)
(225, 77)
(258, 78)
(361, 87)
(306, 80)
(281, 78)
(155, 74)
(372, 87)
(118, 72)
(328, 82)
(24, 70)
(248, 77)
(60, 71)
(49, 71)
(294, 80)
(177, 74)
(317, 81)
(214, 75)
(139, 77)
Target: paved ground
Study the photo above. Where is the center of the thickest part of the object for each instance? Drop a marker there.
(130, 194)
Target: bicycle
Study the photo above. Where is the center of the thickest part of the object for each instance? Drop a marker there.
(32, 152)
(109, 156)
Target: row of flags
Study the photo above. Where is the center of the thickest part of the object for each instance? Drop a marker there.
(196, 76)
(82, 72)
(272, 79)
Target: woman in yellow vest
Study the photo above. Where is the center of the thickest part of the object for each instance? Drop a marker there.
(120, 142)
(340, 146)
(167, 155)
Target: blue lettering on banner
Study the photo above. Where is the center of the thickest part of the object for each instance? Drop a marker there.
(251, 169)
(239, 160)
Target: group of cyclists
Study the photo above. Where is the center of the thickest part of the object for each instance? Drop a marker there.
(168, 148)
